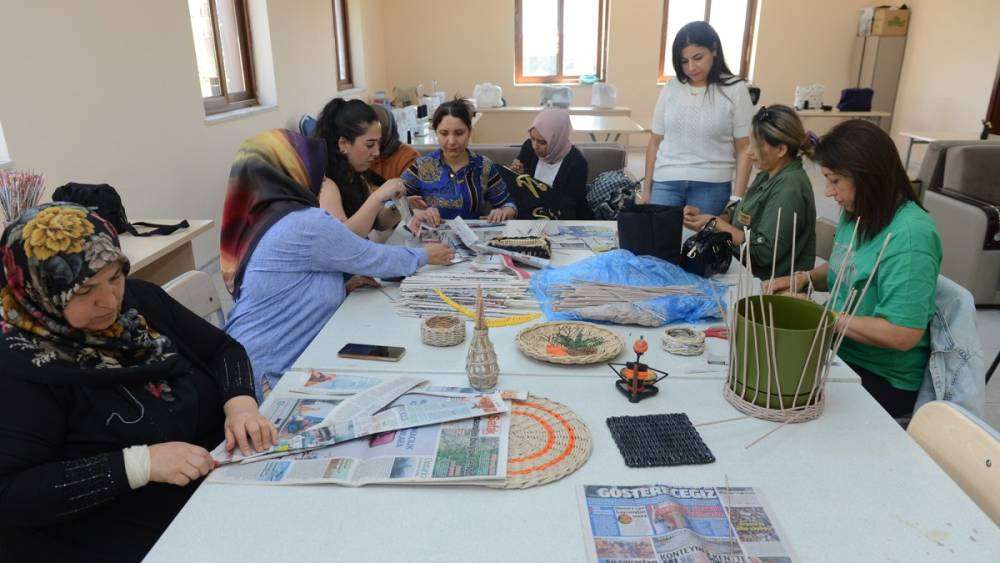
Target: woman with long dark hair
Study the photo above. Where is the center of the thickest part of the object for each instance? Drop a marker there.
(453, 180)
(887, 343)
(352, 132)
(700, 129)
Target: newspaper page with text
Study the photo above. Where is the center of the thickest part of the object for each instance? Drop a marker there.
(468, 451)
(679, 524)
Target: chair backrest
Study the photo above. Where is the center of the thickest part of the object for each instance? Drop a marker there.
(966, 448)
(973, 171)
(826, 230)
(600, 157)
(196, 291)
(307, 124)
(932, 168)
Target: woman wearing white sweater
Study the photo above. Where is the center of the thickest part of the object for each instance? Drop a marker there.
(700, 130)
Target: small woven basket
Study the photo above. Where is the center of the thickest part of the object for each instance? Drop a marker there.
(571, 343)
(442, 330)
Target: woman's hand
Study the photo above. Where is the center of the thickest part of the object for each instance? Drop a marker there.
(516, 166)
(502, 214)
(416, 202)
(642, 198)
(431, 216)
(697, 222)
(246, 427)
(784, 284)
(390, 190)
(178, 463)
(691, 210)
(356, 282)
(439, 254)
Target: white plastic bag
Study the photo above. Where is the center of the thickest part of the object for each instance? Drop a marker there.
(556, 96)
(812, 93)
(603, 95)
(488, 95)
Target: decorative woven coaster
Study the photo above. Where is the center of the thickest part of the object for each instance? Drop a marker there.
(568, 342)
(658, 439)
(548, 441)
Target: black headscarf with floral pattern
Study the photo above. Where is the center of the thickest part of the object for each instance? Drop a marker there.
(48, 254)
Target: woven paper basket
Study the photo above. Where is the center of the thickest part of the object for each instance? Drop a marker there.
(442, 330)
(570, 343)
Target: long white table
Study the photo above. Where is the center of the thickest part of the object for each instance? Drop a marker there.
(366, 317)
(849, 486)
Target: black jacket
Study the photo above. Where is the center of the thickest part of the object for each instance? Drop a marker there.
(64, 494)
(570, 184)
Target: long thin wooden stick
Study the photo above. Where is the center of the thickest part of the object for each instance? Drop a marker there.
(774, 252)
(791, 266)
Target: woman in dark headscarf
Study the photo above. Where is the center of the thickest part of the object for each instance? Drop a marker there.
(113, 393)
(394, 156)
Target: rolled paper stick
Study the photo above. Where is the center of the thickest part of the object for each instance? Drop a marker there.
(774, 358)
(772, 431)
(702, 424)
(774, 252)
(821, 325)
(791, 266)
(756, 349)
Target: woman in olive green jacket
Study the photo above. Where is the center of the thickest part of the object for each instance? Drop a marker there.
(777, 141)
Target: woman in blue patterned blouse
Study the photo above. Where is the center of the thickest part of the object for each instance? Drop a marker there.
(454, 181)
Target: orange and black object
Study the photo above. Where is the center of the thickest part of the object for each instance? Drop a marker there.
(636, 380)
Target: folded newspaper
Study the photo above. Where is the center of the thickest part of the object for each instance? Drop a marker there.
(471, 240)
(369, 412)
(667, 523)
(471, 450)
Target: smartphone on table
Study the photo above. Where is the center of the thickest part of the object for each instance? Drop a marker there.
(372, 352)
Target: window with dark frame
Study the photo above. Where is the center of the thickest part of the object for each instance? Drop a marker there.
(342, 45)
(557, 41)
(733, 20)
(225, 57)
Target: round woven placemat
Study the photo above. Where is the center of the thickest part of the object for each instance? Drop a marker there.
(548, 441)
(532, 341)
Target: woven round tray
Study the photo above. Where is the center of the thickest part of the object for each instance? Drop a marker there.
(569, 343)
(442, 330)
(548, 441)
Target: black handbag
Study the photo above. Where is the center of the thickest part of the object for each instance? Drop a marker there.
(856, 99)
(105, 201)
(707, 252)
(651, 230)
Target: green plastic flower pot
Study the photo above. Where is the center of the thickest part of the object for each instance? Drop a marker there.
(796, 322)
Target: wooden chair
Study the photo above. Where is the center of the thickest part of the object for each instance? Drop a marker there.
(825, 233)
(966, 448)
(196, 291)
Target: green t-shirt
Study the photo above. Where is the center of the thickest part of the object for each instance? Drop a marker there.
(790, 191)
(902, 291)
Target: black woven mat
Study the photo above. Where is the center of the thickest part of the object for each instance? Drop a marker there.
(658, 439)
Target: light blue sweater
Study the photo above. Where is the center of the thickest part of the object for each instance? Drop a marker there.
(294, 283)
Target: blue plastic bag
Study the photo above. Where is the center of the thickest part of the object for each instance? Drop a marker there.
(624, 268)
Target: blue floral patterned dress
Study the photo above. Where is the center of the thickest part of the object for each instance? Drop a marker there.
(469, 193)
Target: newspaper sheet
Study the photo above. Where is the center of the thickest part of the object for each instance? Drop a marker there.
(469, 452)
(471, 240)
(596, 238)
(683, 524)
(330, 430)
(326, 384)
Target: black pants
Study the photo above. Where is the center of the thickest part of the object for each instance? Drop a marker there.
(896, 402)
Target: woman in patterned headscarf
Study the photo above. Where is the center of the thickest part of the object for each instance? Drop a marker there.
(112, 394)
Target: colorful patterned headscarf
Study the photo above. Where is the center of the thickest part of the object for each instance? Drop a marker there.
(48, 254)
(275, 173)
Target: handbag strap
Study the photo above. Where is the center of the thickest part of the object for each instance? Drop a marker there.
(158, 228)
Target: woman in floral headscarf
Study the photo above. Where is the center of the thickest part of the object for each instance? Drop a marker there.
(112, 395)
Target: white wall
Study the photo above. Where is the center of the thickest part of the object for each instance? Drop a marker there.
(949, 68)
(107, 91)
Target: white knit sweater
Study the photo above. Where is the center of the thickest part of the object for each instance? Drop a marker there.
(698, 129)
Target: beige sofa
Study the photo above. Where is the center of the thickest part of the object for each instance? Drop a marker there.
(600, 157)
(960, 181)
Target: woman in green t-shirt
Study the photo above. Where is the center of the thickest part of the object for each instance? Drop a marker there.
(777, 139)
(887, 342)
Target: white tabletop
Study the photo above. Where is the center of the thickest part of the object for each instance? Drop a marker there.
(848, 486)
(143, 251)
(604, 124)
(930, 137)
(841, 114)
(366, 317)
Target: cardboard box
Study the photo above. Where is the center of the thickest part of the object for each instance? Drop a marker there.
(884, 20)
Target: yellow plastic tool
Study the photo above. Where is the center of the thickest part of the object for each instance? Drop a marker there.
(492, 323)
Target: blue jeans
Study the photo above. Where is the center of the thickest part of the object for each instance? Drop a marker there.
(710, 197)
